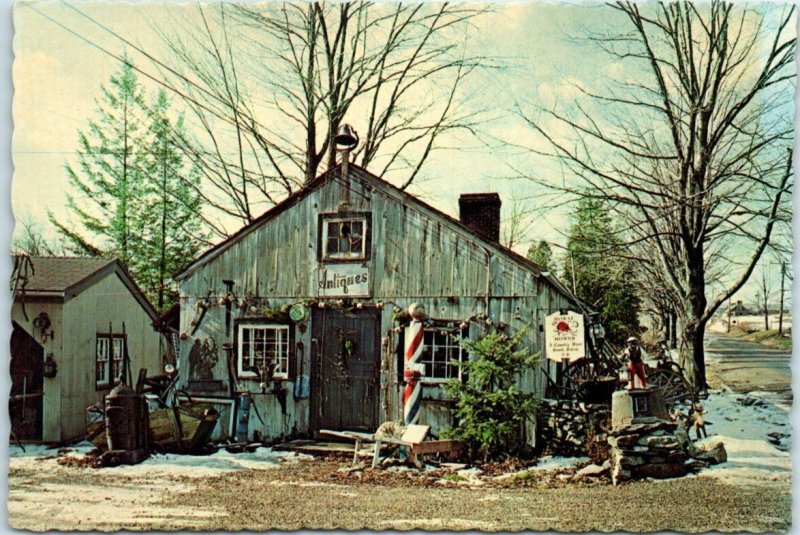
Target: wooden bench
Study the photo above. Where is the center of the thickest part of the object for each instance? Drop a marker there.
(413, 438)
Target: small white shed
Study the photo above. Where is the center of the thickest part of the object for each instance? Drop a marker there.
(73, 319)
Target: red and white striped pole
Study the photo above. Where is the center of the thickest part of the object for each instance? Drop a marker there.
(414, 370)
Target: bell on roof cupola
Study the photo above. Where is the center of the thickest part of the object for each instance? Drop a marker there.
(345, 140)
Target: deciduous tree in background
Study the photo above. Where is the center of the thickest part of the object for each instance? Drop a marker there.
(271, 83)
(692, 146)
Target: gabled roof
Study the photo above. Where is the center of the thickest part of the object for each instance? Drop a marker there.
(362, 175)
(59, 274)
(61, 278)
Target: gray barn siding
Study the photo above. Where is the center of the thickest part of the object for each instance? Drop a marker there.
(416, 257)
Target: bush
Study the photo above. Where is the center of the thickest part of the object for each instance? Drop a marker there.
(489, 406)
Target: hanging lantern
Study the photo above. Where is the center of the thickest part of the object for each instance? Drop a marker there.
(50, 367)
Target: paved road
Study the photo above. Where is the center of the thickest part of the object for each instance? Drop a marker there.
(746, 366)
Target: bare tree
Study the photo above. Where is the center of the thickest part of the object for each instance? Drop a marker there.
(764, 293)
(269, 84)
(693, 147)
(28, 239)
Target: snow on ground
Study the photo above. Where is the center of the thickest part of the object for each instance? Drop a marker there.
(128, 496)
(549, 463)
(167, 464)
(757, 436)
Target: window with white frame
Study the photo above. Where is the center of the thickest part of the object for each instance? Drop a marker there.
(440, 353)
(344, 237)
(109, 356)
(260, 347)
(102, 354)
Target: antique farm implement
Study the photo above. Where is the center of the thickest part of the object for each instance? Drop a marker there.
(171, 427)
(594, 378)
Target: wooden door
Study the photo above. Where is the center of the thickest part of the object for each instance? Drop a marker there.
(345, 391)
(27, 385)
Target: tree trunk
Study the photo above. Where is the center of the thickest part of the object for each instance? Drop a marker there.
(783, 279)
(694, 326)
(692, 353)
(673, 333)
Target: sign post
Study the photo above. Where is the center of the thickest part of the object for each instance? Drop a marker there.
(564, 336)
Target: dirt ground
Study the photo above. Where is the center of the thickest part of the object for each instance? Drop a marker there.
(318, 494)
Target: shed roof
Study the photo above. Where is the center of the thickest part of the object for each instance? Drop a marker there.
(59, 274)
(63, 277)
(360, 174)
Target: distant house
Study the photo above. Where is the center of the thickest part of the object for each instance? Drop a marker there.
(73, 319)
(351, 253)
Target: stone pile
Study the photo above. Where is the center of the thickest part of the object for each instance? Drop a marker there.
(656, 448)
(571, 427)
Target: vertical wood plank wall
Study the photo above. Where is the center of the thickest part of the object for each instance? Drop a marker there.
(417, 256)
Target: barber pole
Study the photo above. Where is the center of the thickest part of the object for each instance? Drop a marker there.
(413, 372)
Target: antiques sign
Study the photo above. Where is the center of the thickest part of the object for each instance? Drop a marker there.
(344, 280)
(564, 336)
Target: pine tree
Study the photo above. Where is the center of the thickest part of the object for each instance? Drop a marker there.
(110, 174)
(137, 198)
(541, 254)
(171, 225)
(595, 266)
(490, 408)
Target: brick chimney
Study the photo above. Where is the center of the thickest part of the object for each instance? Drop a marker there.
(481, 213)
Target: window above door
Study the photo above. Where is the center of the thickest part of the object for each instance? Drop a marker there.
(345, 237)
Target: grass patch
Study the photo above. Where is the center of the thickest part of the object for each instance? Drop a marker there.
(770, 338)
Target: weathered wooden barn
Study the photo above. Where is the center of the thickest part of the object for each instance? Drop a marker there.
(68, 341)
(351, 253)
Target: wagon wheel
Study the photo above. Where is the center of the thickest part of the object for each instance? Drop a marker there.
(582, 371)
(676, 391)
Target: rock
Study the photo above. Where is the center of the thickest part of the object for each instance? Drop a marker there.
(618, 475)
(651, 425)
(677, 456)
(662, 471)
(630, 461)
(623, 441)
(695, 464)
(715, 455)
(592, 470)
(666, 442)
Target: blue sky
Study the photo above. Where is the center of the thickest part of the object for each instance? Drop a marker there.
(57, 78)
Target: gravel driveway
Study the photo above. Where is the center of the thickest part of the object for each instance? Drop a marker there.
(316, 494)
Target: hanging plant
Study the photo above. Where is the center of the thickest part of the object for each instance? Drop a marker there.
(278, 315)
(347, 343)
(347, 347)
(401, 317)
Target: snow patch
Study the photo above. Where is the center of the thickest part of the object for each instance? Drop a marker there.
(746, 428)
(169, 464)
(549, 463)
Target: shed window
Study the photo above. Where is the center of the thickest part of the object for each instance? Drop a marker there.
(109, 355)
(441, 352)
(345, 237)
(262, 346)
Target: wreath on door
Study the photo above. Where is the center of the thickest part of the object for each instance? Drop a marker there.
(347, 347)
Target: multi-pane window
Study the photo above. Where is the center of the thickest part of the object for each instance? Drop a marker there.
(102, 354)
(117, 356)
(440, 352)
(109, 356)
(345, 238)
(261, 347)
